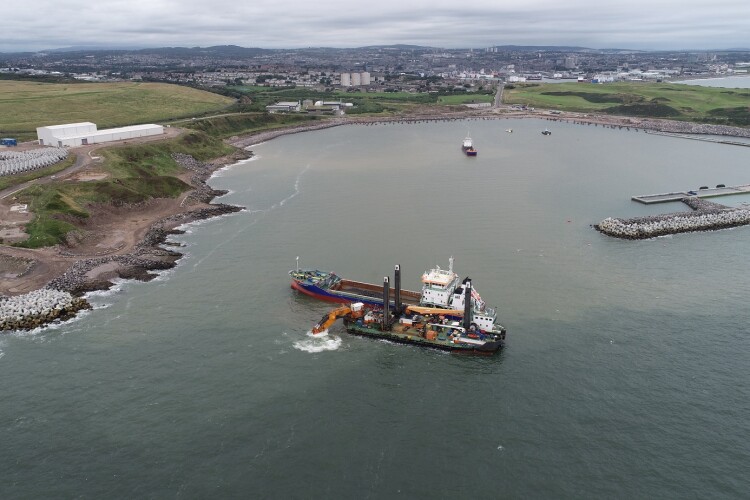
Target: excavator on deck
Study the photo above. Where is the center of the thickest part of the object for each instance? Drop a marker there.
(331, 317)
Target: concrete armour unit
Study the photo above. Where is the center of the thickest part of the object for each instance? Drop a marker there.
(79, 134)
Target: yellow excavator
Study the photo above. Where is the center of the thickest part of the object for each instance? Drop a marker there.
(331, 318)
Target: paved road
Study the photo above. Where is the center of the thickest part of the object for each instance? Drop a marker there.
(499, 95)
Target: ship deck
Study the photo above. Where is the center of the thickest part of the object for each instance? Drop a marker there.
(375, 291)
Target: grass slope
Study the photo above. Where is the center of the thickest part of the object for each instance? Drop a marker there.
(243, 123)
(678, 101)
(27, 105)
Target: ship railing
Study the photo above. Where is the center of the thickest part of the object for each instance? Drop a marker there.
(489, 311)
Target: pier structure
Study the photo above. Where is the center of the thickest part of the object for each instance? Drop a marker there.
(649, 199)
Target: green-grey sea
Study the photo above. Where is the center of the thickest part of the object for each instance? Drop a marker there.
(626, 372)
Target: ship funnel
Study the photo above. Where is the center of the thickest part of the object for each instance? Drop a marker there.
(397, 285)
(467, 304)
(386, 303)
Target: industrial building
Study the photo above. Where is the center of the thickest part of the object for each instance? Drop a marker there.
(285, 107)
(81, 134)
(355, 79)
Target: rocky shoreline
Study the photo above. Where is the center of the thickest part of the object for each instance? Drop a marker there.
(62, 297)
(707, 216)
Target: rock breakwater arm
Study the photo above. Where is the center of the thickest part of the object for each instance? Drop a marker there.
(708, 216)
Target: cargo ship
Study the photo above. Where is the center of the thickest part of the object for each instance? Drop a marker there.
(468, 147)
(442, 290)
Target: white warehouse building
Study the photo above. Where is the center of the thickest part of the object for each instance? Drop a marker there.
(81, 134)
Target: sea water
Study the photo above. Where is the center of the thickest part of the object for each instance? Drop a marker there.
(626, 372)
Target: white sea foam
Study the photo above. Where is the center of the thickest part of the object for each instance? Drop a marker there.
(296, 188)
(219, 171)
(118, 284)
(318, 343)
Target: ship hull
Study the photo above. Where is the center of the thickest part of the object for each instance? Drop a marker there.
(352, 292)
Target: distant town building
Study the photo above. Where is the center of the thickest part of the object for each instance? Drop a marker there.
(355, 79)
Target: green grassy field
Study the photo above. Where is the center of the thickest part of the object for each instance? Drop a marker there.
(364, 102)
(465, 98)
(659, 100)
(137, 173)
(27, 105)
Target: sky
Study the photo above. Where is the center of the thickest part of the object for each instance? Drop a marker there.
(635, 24)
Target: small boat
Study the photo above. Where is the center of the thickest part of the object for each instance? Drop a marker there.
(546, 132)
(510, 130)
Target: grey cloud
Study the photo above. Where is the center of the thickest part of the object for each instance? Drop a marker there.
(635, 24)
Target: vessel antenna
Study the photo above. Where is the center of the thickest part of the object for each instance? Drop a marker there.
(450, 264)
(298, 263)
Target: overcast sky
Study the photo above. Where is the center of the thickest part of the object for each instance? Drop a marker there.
(638, 24)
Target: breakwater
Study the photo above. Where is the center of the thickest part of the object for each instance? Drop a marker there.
(38, 308)
(707, 216)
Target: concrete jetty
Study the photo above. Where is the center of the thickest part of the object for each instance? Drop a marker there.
(697, 138)
(649, 199)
